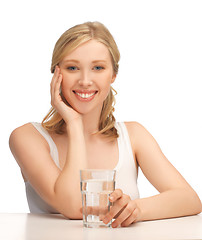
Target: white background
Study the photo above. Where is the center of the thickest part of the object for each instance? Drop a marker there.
(159, 83)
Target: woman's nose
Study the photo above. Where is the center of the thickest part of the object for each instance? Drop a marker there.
(85, 79)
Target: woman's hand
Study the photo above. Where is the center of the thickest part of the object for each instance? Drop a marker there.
(66, 112)
(124, 210)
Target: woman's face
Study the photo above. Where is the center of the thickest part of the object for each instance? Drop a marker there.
(87, 75)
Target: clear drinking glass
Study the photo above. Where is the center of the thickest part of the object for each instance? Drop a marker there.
(96, 186)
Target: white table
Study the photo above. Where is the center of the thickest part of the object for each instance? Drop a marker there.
(48, 227)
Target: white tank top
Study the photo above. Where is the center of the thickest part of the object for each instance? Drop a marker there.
(126, 171)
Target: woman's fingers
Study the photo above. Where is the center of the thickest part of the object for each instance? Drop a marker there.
(66, 111)
(117, 193)
(127, 213)
(52, 85)
(55, 87)
(131, 219)
(54, 78)
(119, 204)
(124, 210)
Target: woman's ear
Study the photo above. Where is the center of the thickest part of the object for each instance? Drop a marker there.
(113, 78)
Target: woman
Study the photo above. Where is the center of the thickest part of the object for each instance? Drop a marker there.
(80, 132)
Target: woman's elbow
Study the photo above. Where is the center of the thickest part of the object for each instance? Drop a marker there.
(196, 203)
(199, 208)
(73, 215)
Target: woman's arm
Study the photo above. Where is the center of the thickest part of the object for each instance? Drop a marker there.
(176, 197)
(67, 186)
(60, 189)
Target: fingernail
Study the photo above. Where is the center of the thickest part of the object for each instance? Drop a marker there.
(111, 198)
(105, 220)
(114, 225)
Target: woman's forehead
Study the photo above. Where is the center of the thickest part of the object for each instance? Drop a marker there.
(91, 50)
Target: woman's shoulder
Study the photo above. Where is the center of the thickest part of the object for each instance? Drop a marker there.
(23, 131)
(137, 133)
(134, 127)
(25, 135)
(23, 128)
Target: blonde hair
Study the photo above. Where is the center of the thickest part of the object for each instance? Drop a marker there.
(69, 41)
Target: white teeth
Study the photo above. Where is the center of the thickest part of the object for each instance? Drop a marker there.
(85, 95)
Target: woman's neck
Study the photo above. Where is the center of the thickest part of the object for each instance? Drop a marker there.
(90, 124)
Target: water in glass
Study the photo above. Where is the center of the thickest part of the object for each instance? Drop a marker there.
(95, 201)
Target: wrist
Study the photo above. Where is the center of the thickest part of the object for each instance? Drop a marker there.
(74, 125)
(140, 210)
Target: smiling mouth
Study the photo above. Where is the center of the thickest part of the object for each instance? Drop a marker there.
(85, 95)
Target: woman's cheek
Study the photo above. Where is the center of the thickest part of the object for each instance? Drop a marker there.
(65, 88)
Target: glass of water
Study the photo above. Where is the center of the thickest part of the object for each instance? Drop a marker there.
(96, 186)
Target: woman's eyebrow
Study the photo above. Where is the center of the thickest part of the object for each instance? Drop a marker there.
(76, 61)
(95, 61)
(70, 60)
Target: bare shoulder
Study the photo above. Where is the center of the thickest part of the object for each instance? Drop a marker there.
(25, 136)
(22, 130)
(135, 129)
(133, 126)
(139, 135)
(25, 132)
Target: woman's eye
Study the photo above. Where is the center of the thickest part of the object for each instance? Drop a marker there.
(98, 68)
(72, 68)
